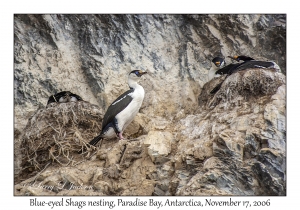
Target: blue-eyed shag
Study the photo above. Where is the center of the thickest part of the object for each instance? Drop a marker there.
(122, 111)
(247, 63)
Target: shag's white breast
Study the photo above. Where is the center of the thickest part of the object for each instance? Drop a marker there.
(126, 116)
(212, 73)
(74, 99)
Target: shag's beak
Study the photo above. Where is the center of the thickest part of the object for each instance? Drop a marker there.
(234, 57)
(142, 72)
(218, 63)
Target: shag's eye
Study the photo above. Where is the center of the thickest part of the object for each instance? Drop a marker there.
(137, 73)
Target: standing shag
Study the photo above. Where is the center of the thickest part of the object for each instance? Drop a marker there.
(122, 111)
(64, 97)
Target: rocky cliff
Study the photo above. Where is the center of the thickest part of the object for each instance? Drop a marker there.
(184, 141)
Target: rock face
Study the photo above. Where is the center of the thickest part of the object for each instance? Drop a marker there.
(232, 139)
(184, 140)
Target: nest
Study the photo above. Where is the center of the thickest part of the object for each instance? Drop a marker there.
(248, 84)
(56, 133)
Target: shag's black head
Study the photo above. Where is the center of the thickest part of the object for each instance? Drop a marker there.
(241, 57)
(218, 61)
(138, 73)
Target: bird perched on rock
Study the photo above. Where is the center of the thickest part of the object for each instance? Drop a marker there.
(64, 97)
(122, 110)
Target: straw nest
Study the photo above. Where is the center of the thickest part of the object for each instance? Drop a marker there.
(248, 84)
(56, 133)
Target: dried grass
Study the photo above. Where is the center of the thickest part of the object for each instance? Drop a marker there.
(56, 133)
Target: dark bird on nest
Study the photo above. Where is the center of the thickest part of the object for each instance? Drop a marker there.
(247, 63)
(231, 68)
(122, 111)
(64, 97)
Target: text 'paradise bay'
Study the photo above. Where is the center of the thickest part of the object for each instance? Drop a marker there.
(157, 203)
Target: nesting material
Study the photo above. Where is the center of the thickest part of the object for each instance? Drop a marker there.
(249, 84)
(56, 133)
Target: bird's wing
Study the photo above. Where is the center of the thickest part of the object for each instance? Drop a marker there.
(116, 107)
(255, 64)
(227, 69)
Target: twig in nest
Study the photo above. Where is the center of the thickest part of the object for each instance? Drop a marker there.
(79, 163)
(89, 157)
(75, 118)
(53, 128)
(53, 157)
(34, 149)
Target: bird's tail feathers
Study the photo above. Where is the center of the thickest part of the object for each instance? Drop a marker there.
(93, 143)
(216, 88)
(96, 140)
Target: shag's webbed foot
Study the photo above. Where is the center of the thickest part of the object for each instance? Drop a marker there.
(120, 135)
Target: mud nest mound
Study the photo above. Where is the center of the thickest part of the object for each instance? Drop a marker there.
(247, 85)
(56, 133)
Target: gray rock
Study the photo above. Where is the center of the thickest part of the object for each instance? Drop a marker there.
(185, 141)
